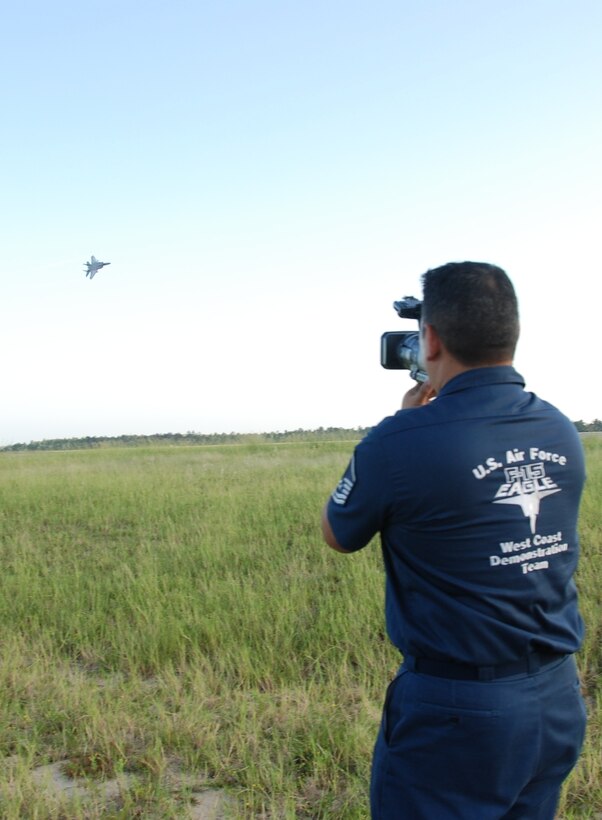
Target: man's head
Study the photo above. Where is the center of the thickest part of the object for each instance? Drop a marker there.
(472, 308)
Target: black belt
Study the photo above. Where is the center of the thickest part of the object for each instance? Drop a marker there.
(462, 671)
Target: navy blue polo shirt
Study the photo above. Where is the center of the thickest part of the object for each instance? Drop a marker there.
(476, 498)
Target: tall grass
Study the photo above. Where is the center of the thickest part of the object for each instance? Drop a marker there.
(172, 613)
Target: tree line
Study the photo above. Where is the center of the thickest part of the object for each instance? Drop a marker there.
(594, 426)
(320, 434)
(92, 442)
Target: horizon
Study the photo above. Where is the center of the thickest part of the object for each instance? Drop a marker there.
(597, 423)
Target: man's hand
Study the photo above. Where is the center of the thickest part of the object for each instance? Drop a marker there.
(418, 396)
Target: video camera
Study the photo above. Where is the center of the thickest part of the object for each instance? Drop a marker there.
(400, 350)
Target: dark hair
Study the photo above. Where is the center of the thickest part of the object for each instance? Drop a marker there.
(473, 308)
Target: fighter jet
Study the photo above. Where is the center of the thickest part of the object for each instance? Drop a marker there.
(94, 265)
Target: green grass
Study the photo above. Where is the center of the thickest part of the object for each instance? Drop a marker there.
(172, 613)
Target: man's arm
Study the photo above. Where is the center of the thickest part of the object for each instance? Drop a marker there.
(328, 534)
(361, 495)
(359, 505)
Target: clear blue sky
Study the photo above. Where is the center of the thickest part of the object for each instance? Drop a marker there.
(266, 178)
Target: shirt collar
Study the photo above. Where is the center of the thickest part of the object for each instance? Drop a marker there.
(482, 376)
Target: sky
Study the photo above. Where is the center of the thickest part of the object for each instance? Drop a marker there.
(266, 177)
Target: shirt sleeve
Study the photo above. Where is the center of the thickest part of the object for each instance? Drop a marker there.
(357, 507)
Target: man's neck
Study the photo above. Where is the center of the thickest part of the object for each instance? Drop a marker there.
(449, 368)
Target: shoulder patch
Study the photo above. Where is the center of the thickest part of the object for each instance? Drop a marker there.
(345, 485)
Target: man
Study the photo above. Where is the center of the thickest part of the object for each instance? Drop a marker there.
(475, 494)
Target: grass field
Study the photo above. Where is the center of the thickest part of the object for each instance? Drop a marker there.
(171, 619)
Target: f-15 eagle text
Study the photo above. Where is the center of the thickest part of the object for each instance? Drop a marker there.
(517, 456)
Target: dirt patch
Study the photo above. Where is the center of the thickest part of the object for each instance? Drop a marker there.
(205, 804)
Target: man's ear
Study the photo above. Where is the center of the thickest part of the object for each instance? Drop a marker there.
(431, 342)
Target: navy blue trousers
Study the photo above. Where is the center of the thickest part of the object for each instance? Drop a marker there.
(477, 750)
